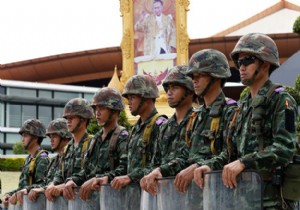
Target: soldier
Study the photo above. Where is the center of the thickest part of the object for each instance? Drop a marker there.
(35, 165)
(107, 155)
(141, 92)
(209, 70)
(264, 134)
(78, 113)
(59, 136)
(171, 149)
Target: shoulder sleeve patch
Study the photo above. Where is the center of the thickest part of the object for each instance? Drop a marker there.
(124, 133)
(230, 102)
(160, 120)
(44, 154)
(277, 90)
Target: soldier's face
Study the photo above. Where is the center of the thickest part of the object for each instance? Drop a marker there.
(133, 103)
(26, 139)
(102, 114)
(54, 141)
(200, 81)
(175, 94)
(72, 122)
(247, 66)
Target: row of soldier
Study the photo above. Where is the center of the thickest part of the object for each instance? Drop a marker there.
(217, 135)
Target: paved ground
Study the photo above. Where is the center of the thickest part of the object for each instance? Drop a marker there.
(9, 181)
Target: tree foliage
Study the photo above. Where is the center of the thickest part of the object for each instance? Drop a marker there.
(18, 148)
(296, 26)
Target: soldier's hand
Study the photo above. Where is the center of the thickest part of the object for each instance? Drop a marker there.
(68, 191)
(120, 182)
(33, 194)
(49, 192)
(151, 182)
(230, 172)
(98, 181)
(20, 195)
(13, 199)
(184, 178)
(86, 189)
(199, 175)
(5, 200)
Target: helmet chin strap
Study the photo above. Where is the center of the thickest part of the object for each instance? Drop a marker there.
(250, 81)
(29, 143)
(135, 112)
(212, 80)
(109, 119)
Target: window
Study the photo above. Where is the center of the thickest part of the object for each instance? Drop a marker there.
(2, 114)
(88, 96)
(14, 115)
(45, 94)
(28, 112)
(21, 92)
(45, 114)
(13, 138)
(58, 112)
(65, 95)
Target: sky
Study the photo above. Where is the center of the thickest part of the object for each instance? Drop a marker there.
(34, 28)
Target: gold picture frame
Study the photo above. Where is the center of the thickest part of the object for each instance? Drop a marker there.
(127, 44)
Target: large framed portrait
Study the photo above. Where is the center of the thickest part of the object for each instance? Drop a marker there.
(154, 37)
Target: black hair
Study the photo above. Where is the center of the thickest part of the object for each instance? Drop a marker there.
(160, 1)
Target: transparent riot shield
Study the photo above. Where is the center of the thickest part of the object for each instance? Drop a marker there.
(247, 194)
(15, 207)
(39, 204)
(148, 201)
(111, 198)
(168, 198)
(90, 204)
(128, 198)
(57, 203)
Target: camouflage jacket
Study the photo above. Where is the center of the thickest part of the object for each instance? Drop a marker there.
(40, 172)
(136, 168)
(71, 161)
(52, 167)
(97, 160)
(201, 134)
(279, 134)
(171, 150)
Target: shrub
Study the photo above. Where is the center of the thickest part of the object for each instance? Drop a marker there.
(18, 148)
(297, 84)
(11, 164)
(293, 92)
(296, 26)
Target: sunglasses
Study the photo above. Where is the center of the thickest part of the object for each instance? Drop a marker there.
(246, 61)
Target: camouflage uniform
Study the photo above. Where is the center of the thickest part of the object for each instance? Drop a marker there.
(72, 159)
(98, 161)
(57, 126)
(278, 125)
(215, 64)
(171, 149)
(145, 87)
(35, 128)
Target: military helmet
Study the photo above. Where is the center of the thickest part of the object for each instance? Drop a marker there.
(108, 97)
(260, 45)
(78, 107)
(59, 126)
(178, 75)
(209, 61)
(142, 85)
(34, 127)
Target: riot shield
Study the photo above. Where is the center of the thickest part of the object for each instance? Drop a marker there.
(57, 203)
(128, 198)
(111, 198)
(39, 204)
(90, 204)
(168, 198)
(247, 194)
(148, 201)
(15, 207)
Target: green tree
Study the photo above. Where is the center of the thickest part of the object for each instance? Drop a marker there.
(18, 148)
(296, 26)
